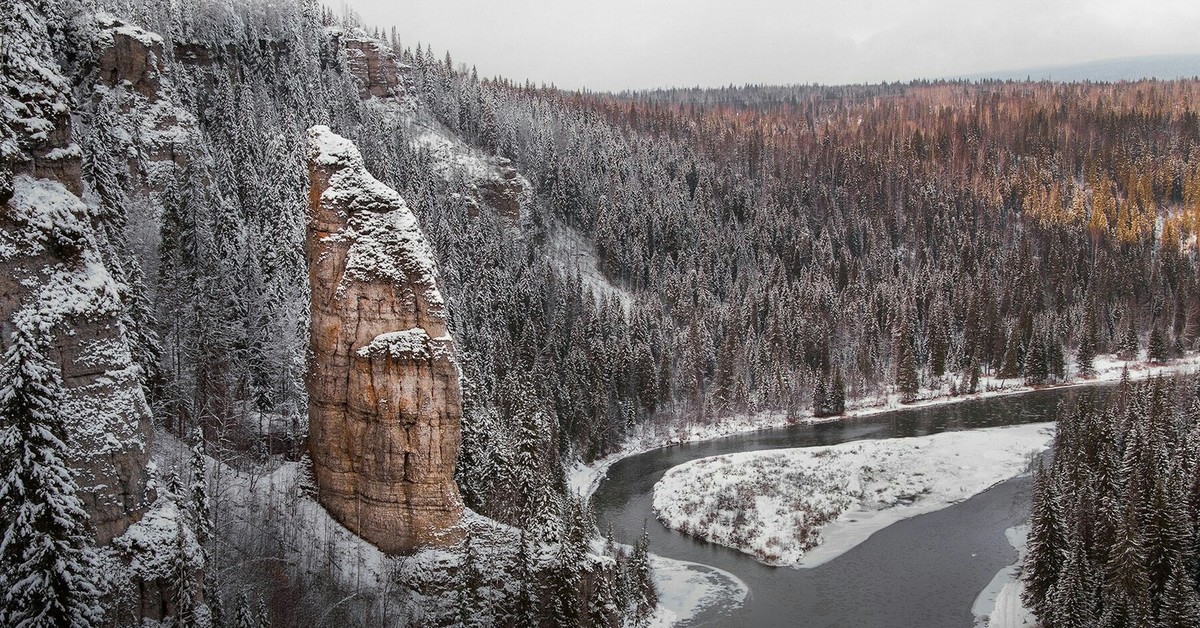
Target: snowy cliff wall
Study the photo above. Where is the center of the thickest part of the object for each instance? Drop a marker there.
(53, 281)
(385, 402)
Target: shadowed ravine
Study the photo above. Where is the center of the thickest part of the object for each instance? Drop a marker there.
(925, 571)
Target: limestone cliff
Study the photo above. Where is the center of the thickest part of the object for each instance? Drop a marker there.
(385, 402)
(53, 280)
(373, 65)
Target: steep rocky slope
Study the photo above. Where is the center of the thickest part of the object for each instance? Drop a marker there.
(384, 399)
(53, 281)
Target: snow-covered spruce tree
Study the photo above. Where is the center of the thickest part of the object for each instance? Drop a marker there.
(1047, 544)
(48, 568)
(524, 605)
(1085, 354)
(1180, 606)
(470, 611)
(198, 504)
(644, 592)
(1129, 345)
(837, 395)
(184, 582)
(820, 400)
(244, 616)
(1156, 348)
(908, 382)
(602, 603)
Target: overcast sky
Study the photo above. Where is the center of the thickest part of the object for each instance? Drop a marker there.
(619, 44)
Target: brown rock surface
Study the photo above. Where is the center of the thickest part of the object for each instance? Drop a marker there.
(385, 403)
(505, 190)
(129, 54)
(52, 278)
(374, 65)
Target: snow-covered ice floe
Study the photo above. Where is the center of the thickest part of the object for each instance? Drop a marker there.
(685, 590)
(804, 507)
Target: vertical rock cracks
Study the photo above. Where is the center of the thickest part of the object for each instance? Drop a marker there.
(385, 403)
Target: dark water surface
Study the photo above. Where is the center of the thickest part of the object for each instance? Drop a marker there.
(923, 572)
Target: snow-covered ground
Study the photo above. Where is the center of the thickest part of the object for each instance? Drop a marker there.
(572, 253)
(804, 507)
(999, 604)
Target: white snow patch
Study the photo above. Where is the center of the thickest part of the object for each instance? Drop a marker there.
(570, 252)
(686, 589)
(410, 343)
(804, 507)
(999, 605)
(158, 541)
(109, 24)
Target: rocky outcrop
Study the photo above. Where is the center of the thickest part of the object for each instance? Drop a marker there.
(504, 189)
(53, 281)
(374, 65)
(385, 402)
(158, 135)
(52, 278)
(129, 56)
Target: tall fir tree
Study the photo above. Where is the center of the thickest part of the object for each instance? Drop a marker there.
(1047, 544)
(48, 568)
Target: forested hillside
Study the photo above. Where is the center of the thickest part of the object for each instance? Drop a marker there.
(679, 256)
(751, 242)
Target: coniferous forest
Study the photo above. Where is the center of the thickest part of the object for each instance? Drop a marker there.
(1113, 524)
(683, 256)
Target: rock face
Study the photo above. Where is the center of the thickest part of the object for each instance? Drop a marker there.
(374, 65)
(128, 54)
(53, 280)
(504, 189)
(385, 403)
(159, 136)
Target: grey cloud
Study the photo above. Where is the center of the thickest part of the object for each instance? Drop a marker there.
(618, 44)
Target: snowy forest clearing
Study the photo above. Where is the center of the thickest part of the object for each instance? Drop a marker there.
(999, 604)
(804, 507)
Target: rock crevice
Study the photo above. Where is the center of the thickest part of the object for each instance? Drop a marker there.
(385, 402)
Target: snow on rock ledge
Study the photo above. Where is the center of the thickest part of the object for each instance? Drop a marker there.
(385, 403)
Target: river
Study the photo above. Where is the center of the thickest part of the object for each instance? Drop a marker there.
(922, 572)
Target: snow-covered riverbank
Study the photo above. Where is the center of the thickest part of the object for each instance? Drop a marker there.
(999, 605)
(584, 478)
(803, 507)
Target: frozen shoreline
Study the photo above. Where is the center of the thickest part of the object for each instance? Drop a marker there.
(804, 507)
(999, 605)
(584, 479)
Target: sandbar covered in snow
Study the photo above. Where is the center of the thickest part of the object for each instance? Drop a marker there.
(804, 507)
